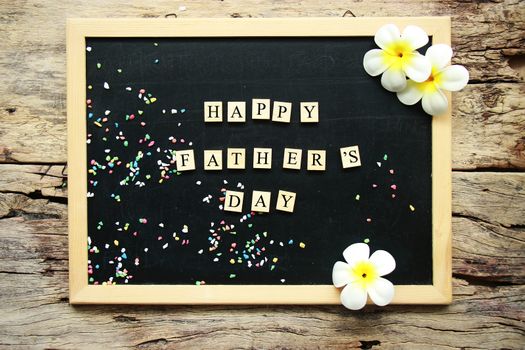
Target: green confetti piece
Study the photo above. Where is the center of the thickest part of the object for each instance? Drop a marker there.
(99, 65)
(367, 240)
(385, 157)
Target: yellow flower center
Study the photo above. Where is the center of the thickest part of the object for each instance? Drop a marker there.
(432, 83)
(397, 52)
(364, 273)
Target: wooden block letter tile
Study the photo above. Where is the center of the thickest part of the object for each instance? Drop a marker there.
(233, 201)
(236, 112)
(185, 160)
(212, 159)
(292, 158)
(262, 158)
(309, 112)
(350, 156)
(316, 160)
(282, 112)
(261, 201)
(236, 158)
(285, 201)
(261, 108)
(212, 111)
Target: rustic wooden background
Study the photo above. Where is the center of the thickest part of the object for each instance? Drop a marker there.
(488, 196)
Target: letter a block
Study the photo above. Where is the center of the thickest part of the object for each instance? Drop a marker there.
(212, 159)
(261, 201)
(233, 201)
(285, 201)
(236, 112)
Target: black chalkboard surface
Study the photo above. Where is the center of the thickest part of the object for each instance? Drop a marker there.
(148, 224)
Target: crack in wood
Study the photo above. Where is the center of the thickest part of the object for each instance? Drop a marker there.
(369, 344)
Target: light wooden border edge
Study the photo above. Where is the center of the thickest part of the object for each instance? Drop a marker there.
(440, 292)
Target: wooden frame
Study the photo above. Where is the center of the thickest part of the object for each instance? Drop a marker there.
(440, 292)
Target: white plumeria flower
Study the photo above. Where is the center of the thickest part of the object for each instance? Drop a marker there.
(361, 276)
(442, 77)
(398, 57)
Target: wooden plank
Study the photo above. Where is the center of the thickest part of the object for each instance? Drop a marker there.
(493, 197)
(488, 127)
(48, 180)
(486, 252)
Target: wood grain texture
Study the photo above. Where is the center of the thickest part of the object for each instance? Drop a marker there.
(488, 223)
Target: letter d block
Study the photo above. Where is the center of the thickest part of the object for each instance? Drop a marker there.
(185, 160)
(233, 201)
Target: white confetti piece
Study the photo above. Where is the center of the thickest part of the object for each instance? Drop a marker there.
(106, 85)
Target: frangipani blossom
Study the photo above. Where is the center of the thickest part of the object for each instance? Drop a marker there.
(398, 58)
(361, 276)
(442, 77)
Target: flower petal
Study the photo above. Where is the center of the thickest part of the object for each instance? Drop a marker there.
(435, 102)
(381, 291)
(439, 55)
(374, 62)
(415, 36)
(417, 67)
(356, 252)
(394, 79)
(453, 78)
(383, 261)
(341, 274)
(411, 94)
(386, 35)
(353, 296)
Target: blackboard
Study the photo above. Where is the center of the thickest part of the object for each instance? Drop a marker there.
(151, 226)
